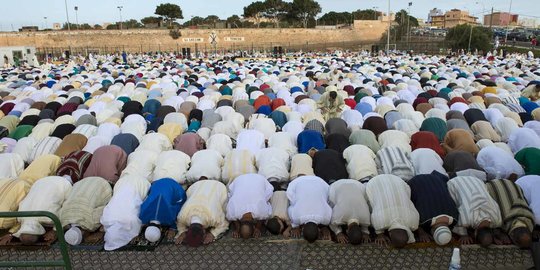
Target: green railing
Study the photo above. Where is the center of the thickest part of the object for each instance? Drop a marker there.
(65, 262)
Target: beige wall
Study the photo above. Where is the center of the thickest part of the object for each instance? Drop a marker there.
(137, 39)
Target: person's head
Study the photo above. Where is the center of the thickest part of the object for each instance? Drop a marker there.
(194, 235)
(442, 235)
(333, 95)
(246, 230)
(275, 225)
(521, 236)
(28, 239)
(484, 237)
(311, 152)
(398, 238)
(310, 231)
(203, 178)
(152, 233)
(354, 233)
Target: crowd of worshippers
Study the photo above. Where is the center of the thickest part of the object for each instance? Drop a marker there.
(393, 150)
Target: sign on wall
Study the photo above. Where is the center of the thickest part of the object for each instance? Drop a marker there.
(193, 40)
(234, 39)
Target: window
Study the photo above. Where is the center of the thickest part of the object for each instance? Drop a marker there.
(28, 51)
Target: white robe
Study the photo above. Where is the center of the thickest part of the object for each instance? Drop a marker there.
(344, 194)
(249, 193)
(308, 197)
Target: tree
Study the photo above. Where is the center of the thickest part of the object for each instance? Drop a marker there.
(131, 24)
(98, 27)
(403, 26)
(170, 12)
(234, 21)
(194, 21)
(275, 10)
(211, 20)
(366, 14)
(305, 10)
(458, 37)
(85, 26)
(255, 10)
(152, 20)
(333, 18)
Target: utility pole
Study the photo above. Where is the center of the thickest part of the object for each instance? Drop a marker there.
(46, 26)
(508, 24)
(67, 15)
(408, 25)
(388, 35)
(77, 16)
(121, 23)
(491, 19)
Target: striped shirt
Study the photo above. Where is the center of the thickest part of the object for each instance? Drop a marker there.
(392, 208)
(474, 203)
(236, 163)
(45, 146)
(393, 160)
(515, 211)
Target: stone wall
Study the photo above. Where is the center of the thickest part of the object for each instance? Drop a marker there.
(146, 39)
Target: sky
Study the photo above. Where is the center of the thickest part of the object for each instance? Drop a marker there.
(32, 12)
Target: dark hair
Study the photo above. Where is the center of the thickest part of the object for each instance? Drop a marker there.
(333, 95)
(399, 238)
(273, 226)
(246, 230)
(484, 237)
(310, 232)
(355, 234)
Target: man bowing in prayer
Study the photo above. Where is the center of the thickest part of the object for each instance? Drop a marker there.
(437, 209)
(350, 209)
(392, 210)
(309, 208)
(518, 219)
(477, 210)
(331, 105)
(202, 218)
(249, 205)
(160, 208)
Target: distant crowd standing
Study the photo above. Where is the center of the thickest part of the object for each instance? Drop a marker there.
(353, 148)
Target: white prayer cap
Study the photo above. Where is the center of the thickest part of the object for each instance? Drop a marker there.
(152, 234)
(442, 235)
(73, 236)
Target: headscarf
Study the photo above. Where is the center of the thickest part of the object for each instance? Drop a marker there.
(107, 162)
(426, 139)
(189, 143)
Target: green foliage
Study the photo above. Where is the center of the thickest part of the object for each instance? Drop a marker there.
(175, 33)
(211, 20)
(151, 20)
(234, 21)
(333, 18)
(255, 10)
(304, 11)
(98, 27)
(275, 10)
(458, 37)
(170, 12)
(131, 24)
(366, 14)
(195, 21)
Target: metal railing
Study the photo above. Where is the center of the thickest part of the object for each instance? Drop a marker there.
(64, 262)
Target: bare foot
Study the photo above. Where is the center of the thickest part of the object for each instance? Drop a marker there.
(342, 238)
(208, 238)
(382, 240)
(6, 239)
(95, 237)
(180, 238)
(169, 235)
(295, 233)
(235, 234)
(287, 233)
(256, 233)
(423, 237)
(466, 240)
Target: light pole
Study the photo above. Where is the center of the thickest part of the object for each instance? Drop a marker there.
(470, 34)
(408, 24)
(77, 16)
(46, 26)
(121, 23)
(388, 35)
(375, 15)
(67, 15)
(508, 24)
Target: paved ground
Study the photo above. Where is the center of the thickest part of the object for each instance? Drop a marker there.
(283, 254)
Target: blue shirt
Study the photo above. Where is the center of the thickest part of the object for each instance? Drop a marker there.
(163, 203)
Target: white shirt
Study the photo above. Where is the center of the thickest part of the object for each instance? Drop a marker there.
(349, 204)
(280, 205)
(236, 163)
(251, 140)
(221, 143)
(498, 163)
(273, 163)
(308, 197)
(395, 138)
(360, 161)
(530, 185)
(425, 161)
(249, 193)
(285, 141)
(301, 164)
(264, 125)
(392, 208)
(172, 164)
(205, 163)
(141, 162)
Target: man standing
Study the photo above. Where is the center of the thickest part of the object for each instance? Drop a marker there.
(349, 208)
(309, 208)
(83, 208)
(392, 210)
(477, 210)
(437, 209)
(518, 219)
(249, 205)
(202, 218)
(160, 208)
(330, 105)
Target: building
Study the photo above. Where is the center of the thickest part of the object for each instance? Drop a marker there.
(528, 22)
(432, 13)
(57, 26)
(452, 18)
(29, 29)
(17, 55)
(501, 19)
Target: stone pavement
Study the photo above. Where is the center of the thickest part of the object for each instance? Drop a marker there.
(273, 253)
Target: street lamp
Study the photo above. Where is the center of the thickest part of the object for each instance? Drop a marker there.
(67, 15)
(121, 23)
(508, 24)
(77, 16)
(46, 26)
(408, 24)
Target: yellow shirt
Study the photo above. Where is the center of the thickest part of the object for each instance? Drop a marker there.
(41, 167)
(12, 192)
